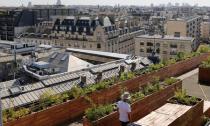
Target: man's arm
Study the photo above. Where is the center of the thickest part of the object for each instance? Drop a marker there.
(129, 116)
(129, 113)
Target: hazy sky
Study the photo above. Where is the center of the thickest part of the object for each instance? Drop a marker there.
(102, 2)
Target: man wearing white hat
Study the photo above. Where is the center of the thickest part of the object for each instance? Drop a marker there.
(124, 109)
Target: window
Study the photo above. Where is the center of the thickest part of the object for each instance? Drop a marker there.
(173, 53)
(182, 46)
(173, 45)
(141, 50)
(164, 52)
(158, 44)
(141, 43)
(158, 50)
(149, 44)
(98, 45)
(149, 50)
(165, 45)
(83, 45)
(84, 37)
(177, 34)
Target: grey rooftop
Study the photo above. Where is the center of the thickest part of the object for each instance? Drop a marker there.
(166, 37)
(99, 53)
(17, 93)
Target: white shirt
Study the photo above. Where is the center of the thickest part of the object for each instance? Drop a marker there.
(124, 109)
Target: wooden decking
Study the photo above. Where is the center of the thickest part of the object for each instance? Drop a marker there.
(163, 116)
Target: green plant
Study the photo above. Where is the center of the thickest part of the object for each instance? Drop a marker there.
(4, 119)
(203, 49)
(130, 75)
(99, 86)
(88, 99)
(122, 77)
(64, 96)
(137, 96)
(157, 87)
(205, 120)
(77, 92)
(49, 98)
(102, 85)
(126, 76)
(11, 114)
(169, 81)
(151, 88)
(206, 64)
(180, 94)
(180, 56)
(182, 97)
(169, 62)
(154, 67)
(97, 112)
(195, 54)
(155, 80)
(21, 112)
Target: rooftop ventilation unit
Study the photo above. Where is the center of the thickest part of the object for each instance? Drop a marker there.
(15, 90)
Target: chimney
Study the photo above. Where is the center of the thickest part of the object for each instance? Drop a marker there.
(122, 69)
(99, 77)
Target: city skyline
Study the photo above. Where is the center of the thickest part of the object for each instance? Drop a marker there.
(103, 2)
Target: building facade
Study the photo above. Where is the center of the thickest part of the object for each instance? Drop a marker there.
(188, 27)
(8, 69)
(44, 12)
(100, 34)
(205, 31)
(15, 22)
(165, 47)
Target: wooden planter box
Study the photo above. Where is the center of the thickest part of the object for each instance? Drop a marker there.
(204, 75)
(54, 115)
(172, 114)
(139, 108)
(172, 70)
(193, 117)
(74, 109)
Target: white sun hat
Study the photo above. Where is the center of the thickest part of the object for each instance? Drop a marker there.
(126, 96)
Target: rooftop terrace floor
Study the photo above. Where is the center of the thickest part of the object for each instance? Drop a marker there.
(193, 87)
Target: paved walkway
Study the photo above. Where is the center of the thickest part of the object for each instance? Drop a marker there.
(193, 87)
(189, 74)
